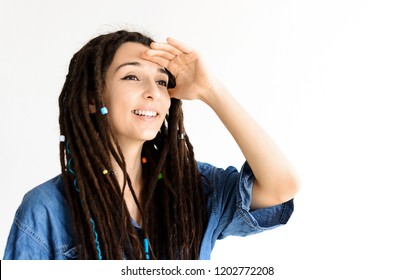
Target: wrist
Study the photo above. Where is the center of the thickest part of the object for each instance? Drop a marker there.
(212, 95)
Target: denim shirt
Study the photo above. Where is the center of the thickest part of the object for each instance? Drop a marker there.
(42, 227)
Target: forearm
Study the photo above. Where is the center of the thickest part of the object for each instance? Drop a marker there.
(275, 179)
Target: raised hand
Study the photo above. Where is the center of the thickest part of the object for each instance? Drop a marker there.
(193, 81)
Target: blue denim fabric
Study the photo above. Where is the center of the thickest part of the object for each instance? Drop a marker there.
(42, 226)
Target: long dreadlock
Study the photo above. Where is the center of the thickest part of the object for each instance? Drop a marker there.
(172, 207)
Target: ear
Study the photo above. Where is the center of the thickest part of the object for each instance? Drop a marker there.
(92, 107)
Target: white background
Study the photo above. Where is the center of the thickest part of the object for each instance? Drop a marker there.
(317, 75)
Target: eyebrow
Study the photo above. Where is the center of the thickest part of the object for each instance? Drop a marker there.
(161, 70)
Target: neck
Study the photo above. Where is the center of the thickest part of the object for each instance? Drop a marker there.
(132, 155)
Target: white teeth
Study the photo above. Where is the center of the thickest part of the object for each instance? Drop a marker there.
(145, 113)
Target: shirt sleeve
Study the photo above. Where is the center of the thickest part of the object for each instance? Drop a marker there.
(232, 192)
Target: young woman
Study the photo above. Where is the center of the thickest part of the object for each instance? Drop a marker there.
(130, 186)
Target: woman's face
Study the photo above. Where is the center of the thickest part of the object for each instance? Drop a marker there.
(136, 95)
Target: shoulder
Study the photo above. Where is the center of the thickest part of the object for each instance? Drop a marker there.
(224, 180)
(44, 207)
(206, 168)
(42, 226)
(48, 195)
(213, 173)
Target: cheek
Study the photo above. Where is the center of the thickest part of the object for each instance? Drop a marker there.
(167, 102)
(116, 99)
(118, 110)
(168, 105)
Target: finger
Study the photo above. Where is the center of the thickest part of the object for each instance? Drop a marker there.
(165, 47)
(160, 53)
(179, 45)
(156, 59)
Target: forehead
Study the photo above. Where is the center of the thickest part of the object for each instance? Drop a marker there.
(130, 53)
(129, 50)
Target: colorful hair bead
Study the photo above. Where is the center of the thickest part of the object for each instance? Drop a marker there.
(105, 172)
(62, 138)
(104, 111)
(160, 176)
(146, 245)
(144, 160)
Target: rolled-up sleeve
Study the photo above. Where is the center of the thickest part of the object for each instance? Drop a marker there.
(264, 218)
(230, 200)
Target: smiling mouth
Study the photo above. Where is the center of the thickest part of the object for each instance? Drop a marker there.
(144, 113)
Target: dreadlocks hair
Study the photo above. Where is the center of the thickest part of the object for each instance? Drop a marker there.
(172, 202)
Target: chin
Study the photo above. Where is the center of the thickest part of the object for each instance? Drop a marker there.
(149, 136)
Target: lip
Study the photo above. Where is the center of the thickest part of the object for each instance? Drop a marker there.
(146, 108)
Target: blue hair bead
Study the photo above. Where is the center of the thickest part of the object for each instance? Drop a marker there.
(104, 111)
(146, 244)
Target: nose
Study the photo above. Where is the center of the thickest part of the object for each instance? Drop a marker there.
(151, 91)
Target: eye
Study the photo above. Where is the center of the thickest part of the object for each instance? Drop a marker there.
(131, 78)
(162, 83)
